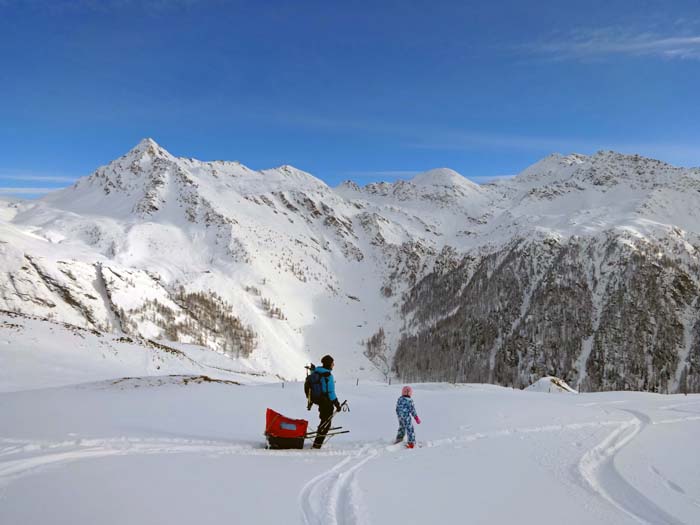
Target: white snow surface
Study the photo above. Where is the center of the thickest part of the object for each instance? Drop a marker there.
(175, 450)
(35, 354)
(102, 428)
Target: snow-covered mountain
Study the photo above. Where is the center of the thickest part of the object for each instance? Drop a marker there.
(583, 267)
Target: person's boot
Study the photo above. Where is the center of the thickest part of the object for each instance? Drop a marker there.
(410, 445)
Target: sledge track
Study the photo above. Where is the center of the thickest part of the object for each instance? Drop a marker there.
(597, 467)
(25, 457)
(345, 498)
(310, 515)
(332, 497)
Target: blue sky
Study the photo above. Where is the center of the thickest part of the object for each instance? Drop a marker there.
(360, 90)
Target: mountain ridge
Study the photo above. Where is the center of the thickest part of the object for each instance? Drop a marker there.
(309, 269)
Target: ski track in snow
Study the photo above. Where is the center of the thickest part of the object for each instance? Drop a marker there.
(334, 497)
(597, 467)
(40, 454)
(307, 498)
(337, 486)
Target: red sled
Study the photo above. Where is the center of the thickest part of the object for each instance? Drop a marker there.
(282, 432)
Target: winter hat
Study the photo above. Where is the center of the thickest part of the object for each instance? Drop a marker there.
(407, 391)
(326, 361)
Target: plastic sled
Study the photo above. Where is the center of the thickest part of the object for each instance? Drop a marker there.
(283, 432)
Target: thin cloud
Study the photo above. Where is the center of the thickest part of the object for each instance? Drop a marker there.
(475, 141)
(685, 153)
(679, 153)
(428, 137)
(23, 176)
(591, 44)
(26, 191)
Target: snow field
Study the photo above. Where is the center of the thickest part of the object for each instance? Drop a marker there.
(159, 450)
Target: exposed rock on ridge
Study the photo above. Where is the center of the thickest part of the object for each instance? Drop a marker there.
(585, 267)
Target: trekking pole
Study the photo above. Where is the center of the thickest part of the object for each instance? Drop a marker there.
(309, 403)
(344, 407)
(331, 431)
(329, 436)
(311, 435)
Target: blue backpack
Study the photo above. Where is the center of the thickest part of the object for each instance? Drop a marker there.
(313, 386)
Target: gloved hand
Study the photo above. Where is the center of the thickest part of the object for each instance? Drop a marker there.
(417, 420)
(337, 405)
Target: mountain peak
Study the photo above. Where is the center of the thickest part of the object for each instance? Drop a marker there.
(349, 185)
(441, 177)
(445, 178)
(552, 166)
(147, 142)
(147, 147)
(603, 170)
(287, 177)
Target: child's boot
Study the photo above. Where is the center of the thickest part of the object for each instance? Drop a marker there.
(410, 445)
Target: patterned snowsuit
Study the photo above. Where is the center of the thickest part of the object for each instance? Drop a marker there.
(405, 410)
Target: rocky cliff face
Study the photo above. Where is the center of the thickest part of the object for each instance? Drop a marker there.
(605, 313)
(584, 267)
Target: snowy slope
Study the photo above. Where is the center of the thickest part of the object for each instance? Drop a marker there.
(181, 452)
(35, 353)
(586, 267)
(300, 269)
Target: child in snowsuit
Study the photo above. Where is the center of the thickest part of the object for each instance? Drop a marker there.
(404, 411)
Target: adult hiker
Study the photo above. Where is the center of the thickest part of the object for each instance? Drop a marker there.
(327, 400)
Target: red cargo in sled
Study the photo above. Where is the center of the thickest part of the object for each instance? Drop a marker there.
(283, 432)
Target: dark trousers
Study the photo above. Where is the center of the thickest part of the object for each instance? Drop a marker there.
(325, 413)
